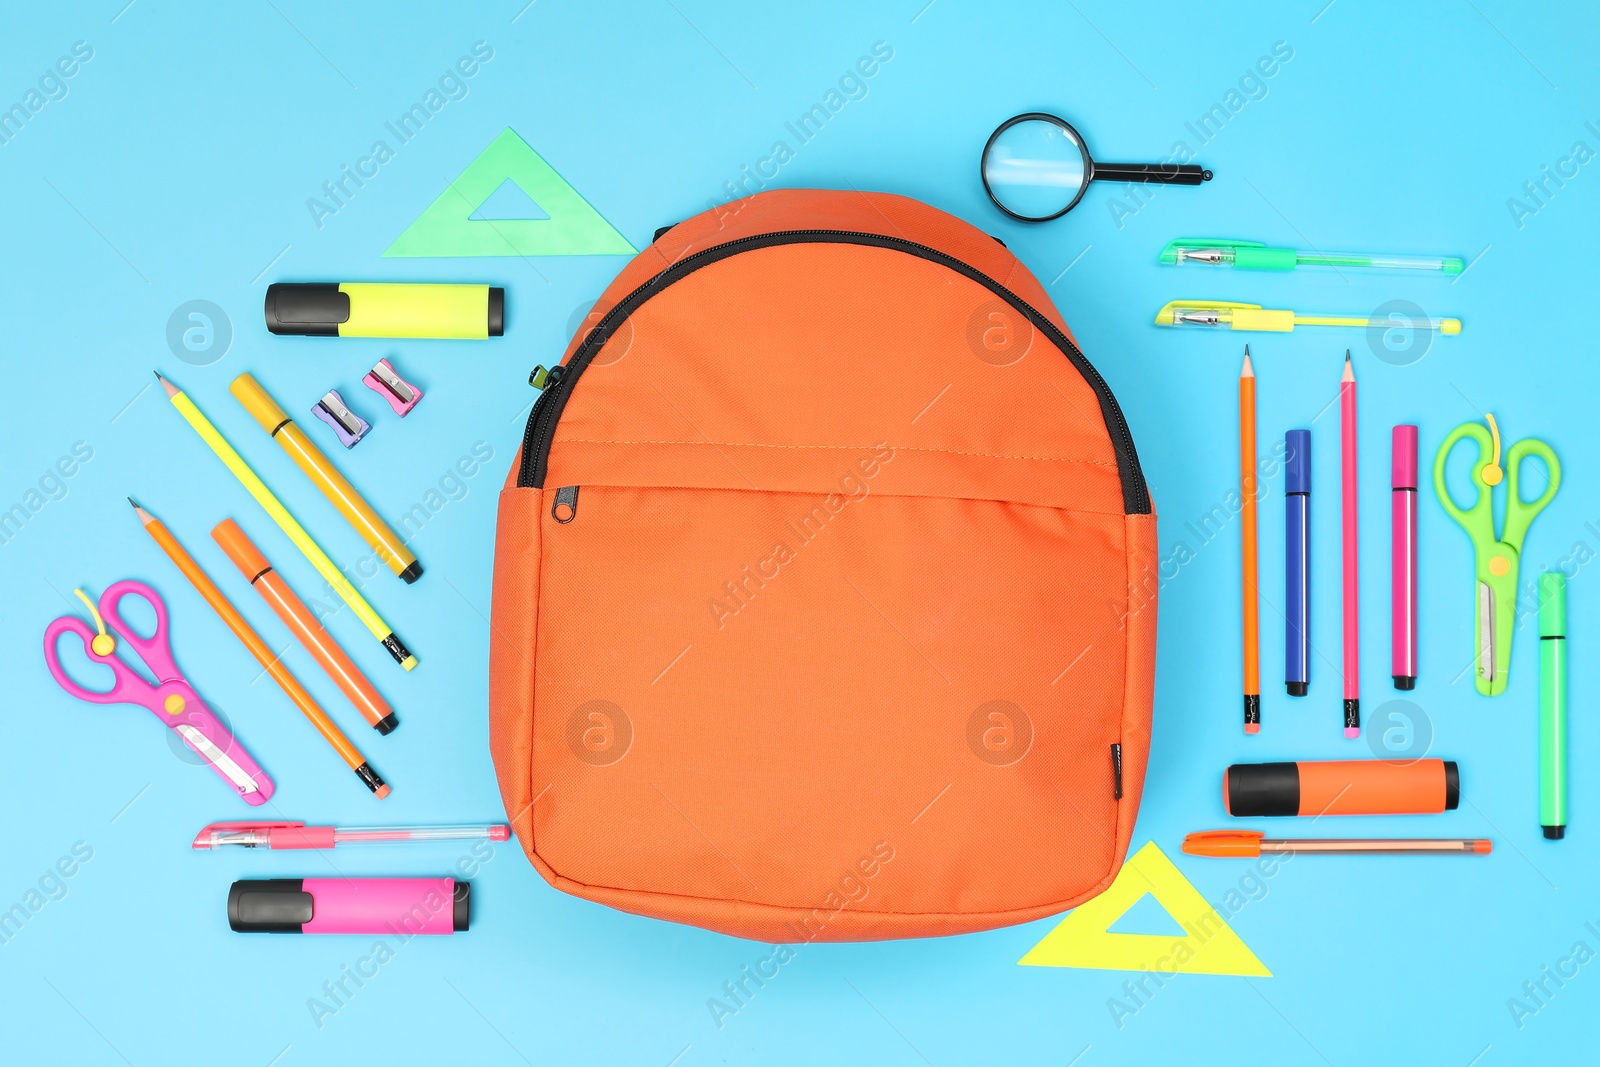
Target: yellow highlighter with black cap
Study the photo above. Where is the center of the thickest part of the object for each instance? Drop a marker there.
(325, 476)
(1231, 315)
(385, 309)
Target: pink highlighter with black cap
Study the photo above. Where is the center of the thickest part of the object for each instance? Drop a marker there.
(1403, 565)
(400, 906)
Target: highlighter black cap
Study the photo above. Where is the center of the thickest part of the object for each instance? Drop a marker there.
(269, 906)
(1261, 789)
(306, 309)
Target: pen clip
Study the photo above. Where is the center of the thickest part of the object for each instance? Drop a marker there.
(1170, 255)
(1167, 316)
(203, 839)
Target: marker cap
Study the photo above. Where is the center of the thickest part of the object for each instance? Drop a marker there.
(1297, 462)
(258, 402)
(240, 549)
(1552, 604)
(1403, 466)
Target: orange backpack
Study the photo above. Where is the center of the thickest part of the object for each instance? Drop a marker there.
(824, 587)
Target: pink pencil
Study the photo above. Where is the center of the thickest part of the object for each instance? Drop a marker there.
(1352, 612)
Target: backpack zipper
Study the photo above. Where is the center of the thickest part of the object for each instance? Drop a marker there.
(546, 412)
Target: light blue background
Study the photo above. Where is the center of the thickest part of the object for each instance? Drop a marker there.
(178, 168)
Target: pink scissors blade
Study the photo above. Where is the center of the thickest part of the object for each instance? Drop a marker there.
(172, 699)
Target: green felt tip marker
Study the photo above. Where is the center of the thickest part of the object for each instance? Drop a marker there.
(1253, 255)
(1553, 704)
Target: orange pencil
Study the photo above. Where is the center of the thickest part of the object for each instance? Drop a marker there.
(1247, 491)
(304, 625)
(258, 648)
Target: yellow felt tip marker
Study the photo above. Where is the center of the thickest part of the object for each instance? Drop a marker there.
(280, 515)
(1236, 316)
(325, 476)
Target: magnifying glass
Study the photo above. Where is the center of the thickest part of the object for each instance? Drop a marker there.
(1036, 168)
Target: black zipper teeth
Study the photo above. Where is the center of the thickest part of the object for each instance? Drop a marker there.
(547, 410)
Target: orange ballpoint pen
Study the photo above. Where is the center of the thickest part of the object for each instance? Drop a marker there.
(1251, 843)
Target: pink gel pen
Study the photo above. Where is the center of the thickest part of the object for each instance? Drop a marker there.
(291, 835)
(1403, 568)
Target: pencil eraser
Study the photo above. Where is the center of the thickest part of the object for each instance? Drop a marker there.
(384, 380)
(1352, 731)
(410, 662)
(383, 791)
(1252, 728)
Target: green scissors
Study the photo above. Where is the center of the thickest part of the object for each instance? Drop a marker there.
(1497, 558)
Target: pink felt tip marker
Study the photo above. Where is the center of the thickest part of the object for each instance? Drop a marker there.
(292, 835)
(1403, 568)
(1352, 584)
(400, 906)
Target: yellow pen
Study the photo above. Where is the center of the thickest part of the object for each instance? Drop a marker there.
(280, 515)
(1236, 316)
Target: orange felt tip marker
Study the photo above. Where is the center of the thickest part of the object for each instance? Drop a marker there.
(1342, 787)
(304, 625)
(1252, 843)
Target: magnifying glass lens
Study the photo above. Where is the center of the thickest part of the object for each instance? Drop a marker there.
(1035, 169)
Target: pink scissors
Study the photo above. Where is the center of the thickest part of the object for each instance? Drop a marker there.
(172, 699)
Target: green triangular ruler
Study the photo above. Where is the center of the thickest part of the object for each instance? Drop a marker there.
(574, 228)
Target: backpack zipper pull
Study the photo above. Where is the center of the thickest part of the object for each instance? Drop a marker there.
(565, 508)
(1116, 759)
(545, 378)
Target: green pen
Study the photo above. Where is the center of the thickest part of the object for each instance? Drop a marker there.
(1253, 255)
(1553, 704)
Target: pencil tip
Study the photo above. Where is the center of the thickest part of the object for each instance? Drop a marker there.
(132, 501)
(1247, 370)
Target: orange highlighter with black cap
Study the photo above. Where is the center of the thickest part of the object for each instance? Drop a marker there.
(304, 625)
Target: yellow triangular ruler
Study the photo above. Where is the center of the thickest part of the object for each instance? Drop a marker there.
(1209, 945)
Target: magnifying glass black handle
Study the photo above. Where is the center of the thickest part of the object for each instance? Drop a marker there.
(1162, 173)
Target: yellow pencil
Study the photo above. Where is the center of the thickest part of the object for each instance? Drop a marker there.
(280, 515)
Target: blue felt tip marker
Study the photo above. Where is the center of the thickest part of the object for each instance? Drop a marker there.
(1297, 562)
